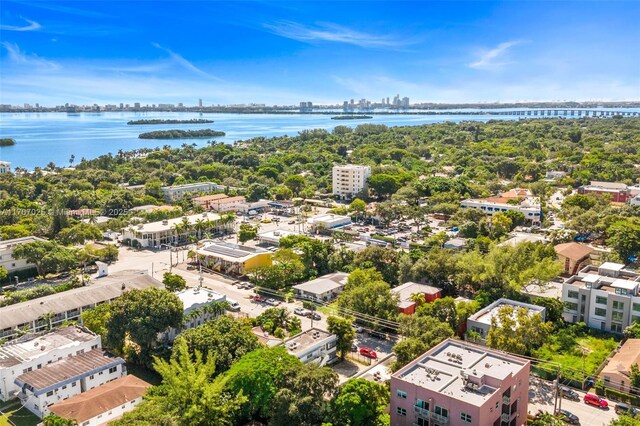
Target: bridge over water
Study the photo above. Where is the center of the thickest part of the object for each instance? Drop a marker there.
(564, 113)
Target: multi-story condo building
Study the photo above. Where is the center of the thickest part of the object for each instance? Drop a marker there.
(32, 352)
(170, 232)
(6, 254)
(52, 311)
(604, 297)
(458, 383)
(350, 180)
(178, 192)
(618, 192)
(529, 207)
(67, 377)
(480, 323)
(313, 345)
(194, 304)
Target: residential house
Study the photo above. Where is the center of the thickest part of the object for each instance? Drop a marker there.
(574, 256)
(617, 373)
(195, 302)
(322, 289)
(457, 383)
(405, 292)
(103, 404)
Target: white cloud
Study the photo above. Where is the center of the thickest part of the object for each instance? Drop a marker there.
(19, 58)
(180, 60)
(494, 58)
(333, 33)
(33, 26)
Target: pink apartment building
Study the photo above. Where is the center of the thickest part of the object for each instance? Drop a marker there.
(461, 384)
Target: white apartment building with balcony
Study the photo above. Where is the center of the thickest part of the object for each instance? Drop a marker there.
(529, 207)
(350, 180)
(313, 345)
(604, 297)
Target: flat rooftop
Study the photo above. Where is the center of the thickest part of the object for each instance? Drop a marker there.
(193, 298)
(34, 346)
(100, 290)
(68, 370)
(485, 315)
(325, 283)
(169, 224)
(330, 219)
(453, 365)
(7, 244)
(188, 186)
(229, 251)
(305, 340)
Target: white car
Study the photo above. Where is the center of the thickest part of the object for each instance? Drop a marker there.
(273, 302)
(301, 311)
(233, 305)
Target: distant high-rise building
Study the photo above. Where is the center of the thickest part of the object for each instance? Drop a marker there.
(121, 105)
(37, 105)
(387, 100)
(136, 105)
(200, 103)
(180, 105)
(405, 102)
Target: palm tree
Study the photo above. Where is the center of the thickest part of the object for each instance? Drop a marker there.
(200, 226)
(48, 318)
(418, 299)
(191, 255)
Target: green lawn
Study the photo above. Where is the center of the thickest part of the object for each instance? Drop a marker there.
(332, 309)
(577, 351)
(15, 414)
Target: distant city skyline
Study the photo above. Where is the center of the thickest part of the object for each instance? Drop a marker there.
(285, 53)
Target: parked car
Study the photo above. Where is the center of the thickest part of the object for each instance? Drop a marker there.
(259, 299)
(357, 328)
(595, 400)
(249, 284)
(368, 352)
(233, 305)
(354, 347)
(301, 311)
(568, 417)
(569, 393)
(314, 316)
(622, 408)
(273, 302)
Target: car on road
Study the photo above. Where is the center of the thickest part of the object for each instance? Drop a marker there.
(569, 393)
(314, 316)
(357, 328)
(301, 311)
(622, 408)
(354, 347)
(273, 302)
(233, 305)
(259, 299)
(243, 284)
(595, 400)
(568, 417)
(368, 352)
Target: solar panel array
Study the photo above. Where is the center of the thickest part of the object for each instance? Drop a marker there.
(230, 250)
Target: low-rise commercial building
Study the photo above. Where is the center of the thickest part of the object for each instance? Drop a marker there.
(617, 373)
(67, 377)
(54, 310)
(322, 289)
(172, 232)
(178, 192)
(195, 304)
(555, 174)
(480, 322)
(220, 203)
(350, 180)
(529, 207)
(233, 259)
(458, 383)
(103, 404)
(407, 291)
(574, 256)
(273, 237)
(604, 297)
(7, 261)
(328, 221)
(617, 192)
(313, 345)
(34, 351)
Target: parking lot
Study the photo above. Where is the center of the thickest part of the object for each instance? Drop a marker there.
(542, 397)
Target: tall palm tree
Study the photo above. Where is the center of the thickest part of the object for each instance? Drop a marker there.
(200, 226)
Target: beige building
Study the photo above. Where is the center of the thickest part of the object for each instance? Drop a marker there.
(220, 203)
(178, 192)
(350, 180)
(617, 373)
(171, 232)
(574, 256)
(6, 254)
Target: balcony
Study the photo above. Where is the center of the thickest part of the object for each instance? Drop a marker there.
(440, 420)
(421, 411)
(506, 400)
(508, 417)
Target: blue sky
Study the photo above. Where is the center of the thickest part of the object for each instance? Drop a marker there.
(83, 52)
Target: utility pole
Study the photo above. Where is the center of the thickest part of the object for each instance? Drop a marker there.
(558, 392)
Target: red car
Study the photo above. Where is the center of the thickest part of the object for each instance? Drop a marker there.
(259, 299)
(368, 352)
(592, 399)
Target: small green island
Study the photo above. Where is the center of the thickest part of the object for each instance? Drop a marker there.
(159, 121)
(7, 142)
(181, 134)
(351, 117)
